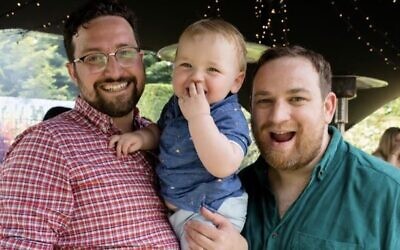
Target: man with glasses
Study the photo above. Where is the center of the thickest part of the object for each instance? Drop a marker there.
(60, 184)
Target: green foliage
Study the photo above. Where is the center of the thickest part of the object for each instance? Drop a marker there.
(149, 58)
(34, 66)
(156, 71)
(366, 134)
(153, 100)
(159, 72)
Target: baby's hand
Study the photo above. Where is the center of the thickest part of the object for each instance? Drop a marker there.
(126, 143)
(194, 102)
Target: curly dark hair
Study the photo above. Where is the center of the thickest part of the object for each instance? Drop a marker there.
(322, 67)
(90, 11)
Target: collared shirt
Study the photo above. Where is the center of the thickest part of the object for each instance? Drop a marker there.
(185, 182)
(61, 186)
(352, 201)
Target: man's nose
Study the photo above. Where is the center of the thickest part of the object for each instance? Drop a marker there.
(113, 68)
(281, 112)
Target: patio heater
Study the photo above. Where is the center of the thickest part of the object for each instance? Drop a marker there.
(345, 87)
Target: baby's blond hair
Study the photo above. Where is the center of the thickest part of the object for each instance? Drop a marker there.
(221, 28)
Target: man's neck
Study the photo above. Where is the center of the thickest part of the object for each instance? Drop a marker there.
(287, 185)
(124, 123)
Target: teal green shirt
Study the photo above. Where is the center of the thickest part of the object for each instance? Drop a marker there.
(351, 202)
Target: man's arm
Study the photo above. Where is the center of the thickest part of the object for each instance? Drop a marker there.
(35, 195)
(223, 236)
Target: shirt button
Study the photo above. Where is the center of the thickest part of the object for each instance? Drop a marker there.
(177, 151)
(274, 235)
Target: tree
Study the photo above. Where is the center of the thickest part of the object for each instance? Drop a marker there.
(33, 66)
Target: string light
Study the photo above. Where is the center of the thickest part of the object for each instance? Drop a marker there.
(213, 9)
(19, 6)
(271, 16)
(371, 29)
(22, 5)
(57, 23)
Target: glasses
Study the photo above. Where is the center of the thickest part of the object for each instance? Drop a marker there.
(97, 62)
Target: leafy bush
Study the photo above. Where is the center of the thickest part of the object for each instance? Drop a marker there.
(366, 134)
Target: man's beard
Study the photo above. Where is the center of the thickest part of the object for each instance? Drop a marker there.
(300, 156)
(116, 107)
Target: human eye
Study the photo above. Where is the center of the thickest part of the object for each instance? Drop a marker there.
(212, 69)
(185, 65)
(263, 100)
(127, 53)
(297, 100)
(95, 59)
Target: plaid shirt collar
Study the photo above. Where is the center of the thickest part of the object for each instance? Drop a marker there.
(99, 119)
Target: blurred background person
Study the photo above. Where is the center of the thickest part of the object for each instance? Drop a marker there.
(54, 111)
(389, 146)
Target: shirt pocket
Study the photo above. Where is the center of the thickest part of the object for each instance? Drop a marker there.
(311, 242)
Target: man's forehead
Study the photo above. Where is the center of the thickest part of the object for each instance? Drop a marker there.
(104, 33)
(104, 24)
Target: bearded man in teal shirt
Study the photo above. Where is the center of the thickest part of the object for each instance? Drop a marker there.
(309, 189)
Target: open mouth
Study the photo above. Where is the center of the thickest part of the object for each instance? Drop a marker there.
(282, 137)
(114, 87)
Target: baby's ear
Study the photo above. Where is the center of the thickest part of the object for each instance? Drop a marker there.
(237, 84)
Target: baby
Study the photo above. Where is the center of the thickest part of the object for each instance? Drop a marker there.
(204, 134)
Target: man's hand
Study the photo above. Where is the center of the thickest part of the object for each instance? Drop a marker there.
(194, 102)
(223, 236)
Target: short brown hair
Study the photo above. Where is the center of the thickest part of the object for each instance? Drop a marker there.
(223, 28)
(90, 11)
(322, 67)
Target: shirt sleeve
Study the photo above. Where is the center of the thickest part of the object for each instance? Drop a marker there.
(35, 194)
(231, 122)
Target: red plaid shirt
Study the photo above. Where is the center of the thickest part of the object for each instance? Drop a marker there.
(62, 187)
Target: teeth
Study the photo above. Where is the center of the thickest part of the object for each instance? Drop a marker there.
(115, 87)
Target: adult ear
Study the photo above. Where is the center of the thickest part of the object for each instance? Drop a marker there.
(238, 82)
(329, 106)
(72, 72)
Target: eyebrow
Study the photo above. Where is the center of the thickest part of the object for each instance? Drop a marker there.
(262, 93)
(96, 49)
(298, 90)
(290, 91)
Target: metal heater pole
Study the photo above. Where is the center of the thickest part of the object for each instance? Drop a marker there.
(341, 114)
